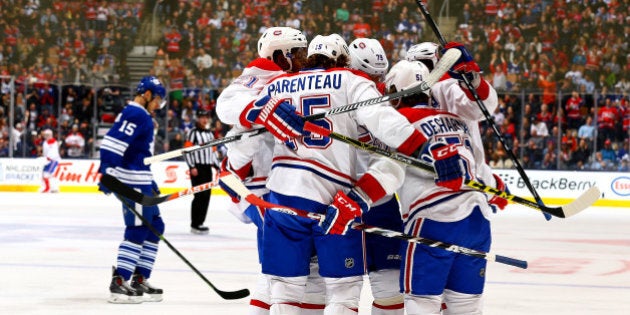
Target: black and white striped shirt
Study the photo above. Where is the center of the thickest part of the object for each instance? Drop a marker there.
(198, 136)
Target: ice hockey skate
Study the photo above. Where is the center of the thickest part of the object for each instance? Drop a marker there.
(121, 292)
(149, 292)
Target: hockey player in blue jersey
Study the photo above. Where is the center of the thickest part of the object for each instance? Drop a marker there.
(122, 152)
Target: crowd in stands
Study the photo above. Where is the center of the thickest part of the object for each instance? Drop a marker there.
(560, 66)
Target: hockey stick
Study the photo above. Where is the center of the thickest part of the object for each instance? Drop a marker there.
(484, 110)
(582, 202)
(119, 187)
(179, 152)
(228, 295)
(445, 63)
(237, 186)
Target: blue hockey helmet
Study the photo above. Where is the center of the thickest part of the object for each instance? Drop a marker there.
(153, 84)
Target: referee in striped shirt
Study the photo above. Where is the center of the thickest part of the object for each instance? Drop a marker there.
(200, 164)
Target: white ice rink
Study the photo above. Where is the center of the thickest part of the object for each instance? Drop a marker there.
(57, 251)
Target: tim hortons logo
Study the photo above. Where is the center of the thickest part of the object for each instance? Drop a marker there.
(171, 174)
(621, 186)
(64, 174)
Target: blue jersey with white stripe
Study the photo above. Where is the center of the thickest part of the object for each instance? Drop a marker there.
(126, 145)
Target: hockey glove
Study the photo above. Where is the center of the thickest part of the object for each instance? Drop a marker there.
(448, 166)
(342, 211)
(235, 197)
(155, 188)
(279, 117)
(496, 202)
(103, 189)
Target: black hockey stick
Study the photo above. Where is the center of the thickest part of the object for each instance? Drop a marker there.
(121, 195)
(117, 186)
(237, 186)
(582, 202)
(443, 65)
(484, 110)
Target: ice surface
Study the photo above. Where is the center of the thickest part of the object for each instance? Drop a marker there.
(57, 251)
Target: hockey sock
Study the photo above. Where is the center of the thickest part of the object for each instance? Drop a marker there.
(147, 258)
(128, 256)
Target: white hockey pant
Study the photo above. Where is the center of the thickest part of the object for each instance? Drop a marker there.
(455, 303)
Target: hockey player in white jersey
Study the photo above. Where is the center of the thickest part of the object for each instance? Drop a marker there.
(50, 151)
(323, 177)
(441, 208)
(122, 152)
(280, 50)
(382, 253)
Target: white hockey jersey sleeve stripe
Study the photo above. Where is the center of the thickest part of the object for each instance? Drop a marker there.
(114, 145)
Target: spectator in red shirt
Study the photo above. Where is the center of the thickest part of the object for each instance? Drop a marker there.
(572, 109)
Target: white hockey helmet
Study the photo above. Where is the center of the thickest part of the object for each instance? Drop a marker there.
(405, 75)
(423, 51)
(331, 46)
(47, 134)
(368, 55)
(342, 46)
(280, 38)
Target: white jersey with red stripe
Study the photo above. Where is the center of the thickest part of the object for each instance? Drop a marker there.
(50, 150)
(230, 104)
(315, 168)
(455, 119)
(245, 89)
(419, 196)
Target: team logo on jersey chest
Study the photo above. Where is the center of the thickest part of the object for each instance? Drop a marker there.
(349, 263)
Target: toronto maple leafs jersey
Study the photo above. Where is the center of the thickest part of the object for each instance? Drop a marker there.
(319, 166)
(126, 144)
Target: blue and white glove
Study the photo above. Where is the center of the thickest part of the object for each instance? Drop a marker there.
(342, 211)
(155, 188)
(279, 117)
(448, 166)
(465, 66)
(103, 189)
(496, 202)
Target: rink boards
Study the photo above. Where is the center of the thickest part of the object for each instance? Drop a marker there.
(555, 187)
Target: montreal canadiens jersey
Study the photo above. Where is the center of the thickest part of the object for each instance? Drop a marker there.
(245, 89)
(319, 166)
(127, 143)
(50, 150)
(454, 118)
(232, 101)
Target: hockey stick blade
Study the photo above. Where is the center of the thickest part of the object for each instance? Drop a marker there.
(581, 203)
(120, 188)
(179, 152)
(237, 186)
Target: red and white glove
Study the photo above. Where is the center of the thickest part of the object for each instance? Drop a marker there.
(342, 211)
(279, 117)
(448, 166)
(497, 202)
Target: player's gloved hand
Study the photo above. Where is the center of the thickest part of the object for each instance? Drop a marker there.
(279, 117)
(235, 197)
(155, 188)
(465, 66)
(103, 189)
(242, 173)
(342, 211)
(448, 165)
(496, 202)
